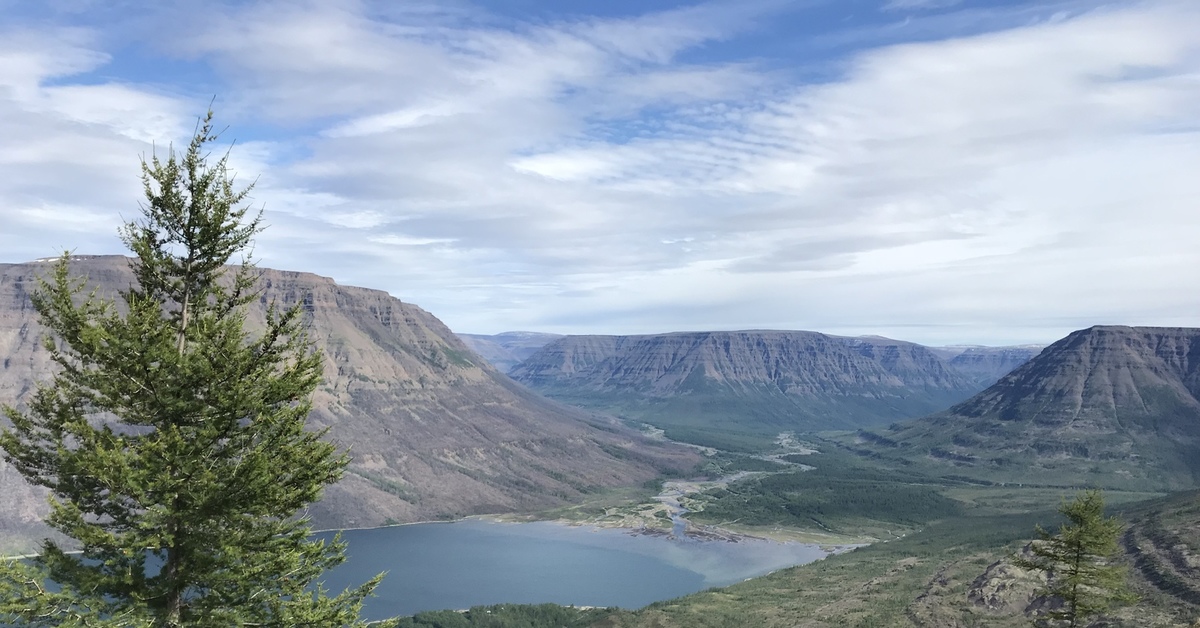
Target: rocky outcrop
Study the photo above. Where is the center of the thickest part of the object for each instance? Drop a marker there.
(1114, 406)
(434, 432)
(764, 380)
(1005, 589)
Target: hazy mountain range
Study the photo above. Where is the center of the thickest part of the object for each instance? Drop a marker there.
(508, 349)
(985, 365)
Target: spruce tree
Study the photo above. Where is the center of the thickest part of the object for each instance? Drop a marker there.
(1080, 561)
(171, 438)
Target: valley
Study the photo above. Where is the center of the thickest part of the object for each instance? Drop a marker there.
(940, 519)
(678, 508)
(514, 314)
(739, 390)
(506, 350)
(914, 471)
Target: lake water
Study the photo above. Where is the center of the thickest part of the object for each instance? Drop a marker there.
(466, 563)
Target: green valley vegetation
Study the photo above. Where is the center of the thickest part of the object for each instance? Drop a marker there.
(1080, 562)
(953, 572)
(172, 440)
(964, 490)
(871, 586)
(949, 566)
(839, 494)
(508, 616)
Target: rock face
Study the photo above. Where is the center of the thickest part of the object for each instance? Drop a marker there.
(433, 431)
(1005, 589)
(508, 349)
(1114, 406)
(756, 381)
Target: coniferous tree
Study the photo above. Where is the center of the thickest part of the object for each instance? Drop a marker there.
(171, 439)
(1079, 561)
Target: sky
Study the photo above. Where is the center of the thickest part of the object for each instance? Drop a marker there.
(940, 171)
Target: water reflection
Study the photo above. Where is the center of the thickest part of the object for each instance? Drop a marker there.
(467, 563)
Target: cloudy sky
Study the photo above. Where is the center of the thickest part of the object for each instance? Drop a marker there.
(943, 171)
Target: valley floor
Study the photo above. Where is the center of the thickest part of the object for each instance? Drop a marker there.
(948, 571)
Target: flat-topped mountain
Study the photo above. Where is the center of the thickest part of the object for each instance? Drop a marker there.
(701, 384)
(1110, 406)
(508, 349)
(433, 431)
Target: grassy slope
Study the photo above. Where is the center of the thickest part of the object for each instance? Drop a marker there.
(871, 586)
(931, 455)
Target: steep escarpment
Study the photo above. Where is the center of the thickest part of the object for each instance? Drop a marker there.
(749, 381)
(433, 431)
(1113, 406)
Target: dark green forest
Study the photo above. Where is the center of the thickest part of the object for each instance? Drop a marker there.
(837, 489)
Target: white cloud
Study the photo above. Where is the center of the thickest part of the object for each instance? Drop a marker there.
(577, 176)
(70, 155)
(26, 60)
(905, 5)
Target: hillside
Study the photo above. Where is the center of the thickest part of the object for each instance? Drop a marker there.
(508, 349)
(1109, 406)
(710, 387)
(434, 432)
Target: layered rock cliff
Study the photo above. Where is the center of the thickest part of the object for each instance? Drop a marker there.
(753, 381)
(434, 432)
(1114, 406)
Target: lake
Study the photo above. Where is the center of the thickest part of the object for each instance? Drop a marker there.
(433, 566)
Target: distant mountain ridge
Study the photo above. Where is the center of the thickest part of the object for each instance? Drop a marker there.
(508, 349)
(1107, 405)
(986, 365)
(764, 381)
(434, 431)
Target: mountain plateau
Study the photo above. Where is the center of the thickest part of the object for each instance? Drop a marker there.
(708, 387)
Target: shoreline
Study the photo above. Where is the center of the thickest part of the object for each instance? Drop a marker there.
(697, 532)
(394, 525)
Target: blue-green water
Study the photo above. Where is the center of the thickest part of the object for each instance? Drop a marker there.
(467, 563)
